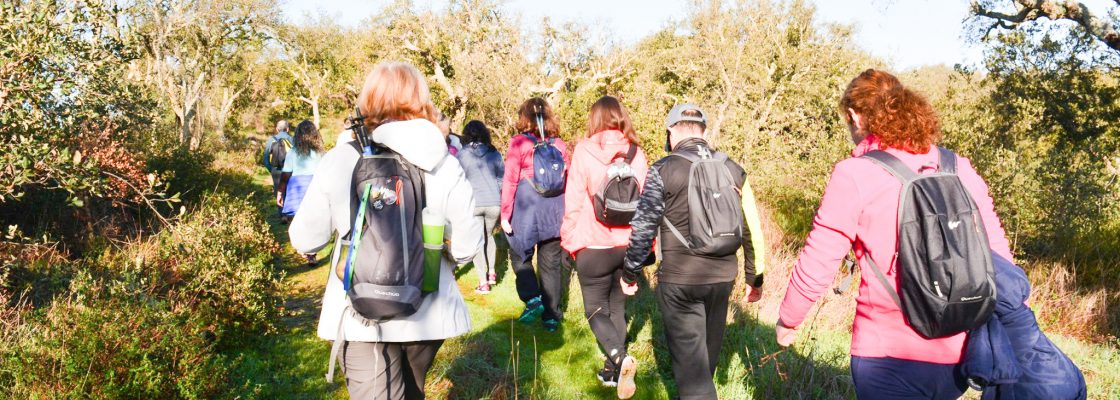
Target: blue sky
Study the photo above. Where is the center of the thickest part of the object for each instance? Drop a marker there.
(907, 33)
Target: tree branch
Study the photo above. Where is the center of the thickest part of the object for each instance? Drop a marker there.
(1031, 10)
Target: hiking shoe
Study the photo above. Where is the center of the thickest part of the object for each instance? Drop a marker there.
(312, 260)
(607, 377)
(482, 289)
(551, 325)
(626, 373)
(533, 310)
(492, 279)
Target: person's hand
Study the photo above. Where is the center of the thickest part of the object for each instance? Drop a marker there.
(628, 289)
(506, 227)
(785, 335)
(279, 199)
(754, 294)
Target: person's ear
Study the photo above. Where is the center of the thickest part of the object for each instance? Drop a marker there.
(856, 119)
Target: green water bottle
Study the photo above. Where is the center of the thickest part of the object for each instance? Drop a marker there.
(433, 249)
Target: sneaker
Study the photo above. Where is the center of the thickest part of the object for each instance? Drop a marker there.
(626, 373)
(482, 289)
(533, 310)
(492, 279)
(312, 260)
(551, 325)
(607, 377)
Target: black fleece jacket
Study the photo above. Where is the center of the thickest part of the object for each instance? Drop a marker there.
(665, 197)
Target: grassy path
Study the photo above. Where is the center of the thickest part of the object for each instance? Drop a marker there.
(503, 359)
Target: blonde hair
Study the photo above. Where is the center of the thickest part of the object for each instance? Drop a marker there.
(395, 91)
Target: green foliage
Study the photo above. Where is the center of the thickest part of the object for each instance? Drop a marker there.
(1041, 127)
(153, 319)
(219, 263)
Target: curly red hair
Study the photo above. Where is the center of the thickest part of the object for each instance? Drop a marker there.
(900, 117)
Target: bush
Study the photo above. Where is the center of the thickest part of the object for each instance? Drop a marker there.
(154, 319)
(218, 262)
(113, 346)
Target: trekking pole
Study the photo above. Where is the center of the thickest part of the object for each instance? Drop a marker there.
(358, 126)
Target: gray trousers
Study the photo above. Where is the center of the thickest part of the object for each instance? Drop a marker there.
(484, 261)
(388, 371)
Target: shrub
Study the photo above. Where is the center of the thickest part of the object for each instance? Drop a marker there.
(111, 346)
(154, 319)
(218, 262)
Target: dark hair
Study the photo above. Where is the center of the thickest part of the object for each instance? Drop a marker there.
(527, 118)
(699, 126)
(901, 118)
(307, 139)
(476, 132)
(609, 114)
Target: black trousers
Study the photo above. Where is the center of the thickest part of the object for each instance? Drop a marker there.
(604, 304)
(393, 371)
(276, 174)
(550, 285)
(695, 318)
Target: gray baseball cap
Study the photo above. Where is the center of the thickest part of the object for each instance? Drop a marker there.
(676, 115)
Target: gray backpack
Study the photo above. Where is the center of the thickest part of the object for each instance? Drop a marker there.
(944, 260)
(715, 209)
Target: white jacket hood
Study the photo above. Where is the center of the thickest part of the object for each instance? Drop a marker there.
(419, 141)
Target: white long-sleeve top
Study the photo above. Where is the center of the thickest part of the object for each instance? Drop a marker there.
(326, 211)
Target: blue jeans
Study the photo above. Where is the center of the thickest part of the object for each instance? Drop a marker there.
(894, 379)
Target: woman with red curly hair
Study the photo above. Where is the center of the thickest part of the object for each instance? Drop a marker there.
(860, 205)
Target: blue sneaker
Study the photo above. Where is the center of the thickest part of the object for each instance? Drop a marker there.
(551, 325)
(533, 310)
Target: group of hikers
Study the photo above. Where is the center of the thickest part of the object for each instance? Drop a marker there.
(405, 205)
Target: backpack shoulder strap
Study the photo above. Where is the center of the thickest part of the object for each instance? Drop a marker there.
(633, 151)
(892, 164)
(357, 146)
(948, 160)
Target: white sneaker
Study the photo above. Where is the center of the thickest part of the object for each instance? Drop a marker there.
(626, 385)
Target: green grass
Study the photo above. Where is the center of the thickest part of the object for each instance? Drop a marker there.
(503, 359)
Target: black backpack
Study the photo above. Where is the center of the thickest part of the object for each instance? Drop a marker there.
(278, 152)
(944, 260)
(715, 209)
(384, 268)
(617, 199)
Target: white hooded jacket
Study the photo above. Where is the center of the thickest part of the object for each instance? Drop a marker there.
(326, 210)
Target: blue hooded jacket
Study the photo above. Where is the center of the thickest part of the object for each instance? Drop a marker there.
(1010, 358)
(485, 169)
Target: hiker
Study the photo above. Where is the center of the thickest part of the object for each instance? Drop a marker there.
(299, 168)
(532, 209)
(860, 211)
(607, 165)
(388, 356)
(693, 200)
(272, 156)
(485, 169)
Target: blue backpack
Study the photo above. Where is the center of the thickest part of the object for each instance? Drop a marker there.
(549, 172)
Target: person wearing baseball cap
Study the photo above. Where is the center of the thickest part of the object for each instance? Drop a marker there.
(698, 259)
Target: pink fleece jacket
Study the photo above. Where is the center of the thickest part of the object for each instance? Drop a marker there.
(590, 161)
(519, 165)
(861, 203)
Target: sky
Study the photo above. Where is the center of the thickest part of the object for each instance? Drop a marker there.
(906, 33)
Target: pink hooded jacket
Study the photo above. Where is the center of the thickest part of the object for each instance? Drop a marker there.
(590, 161)
(860, 203)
